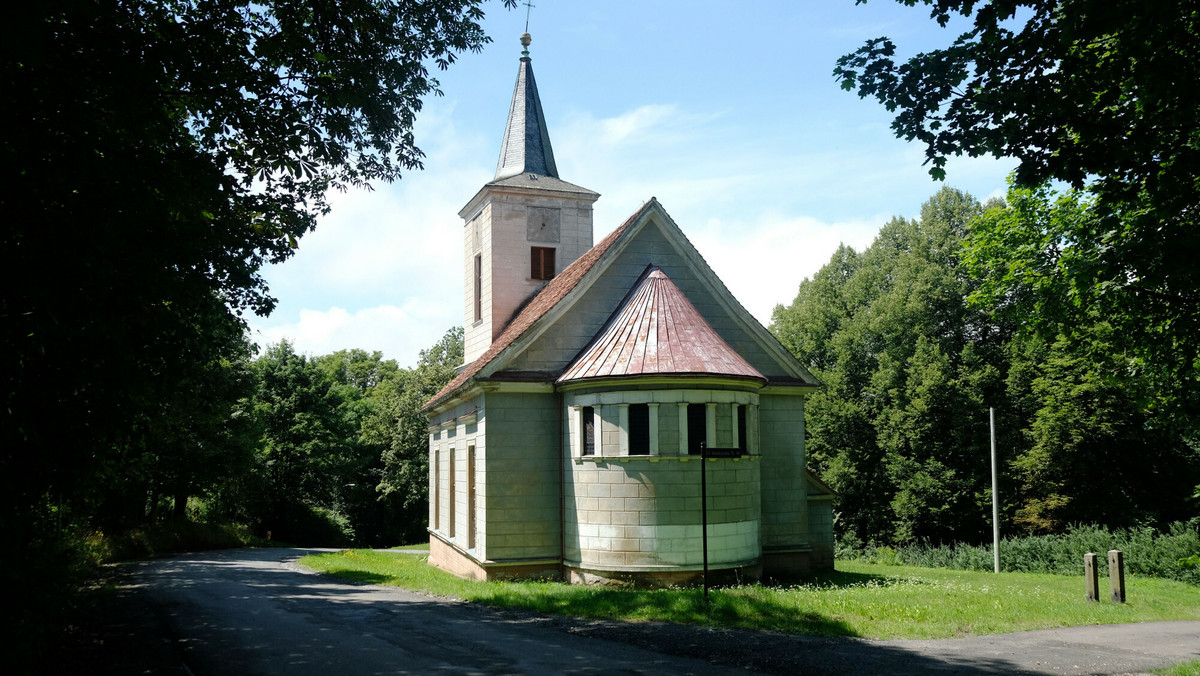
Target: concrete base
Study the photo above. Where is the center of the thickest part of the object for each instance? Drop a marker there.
(457, 562)
(666, 577)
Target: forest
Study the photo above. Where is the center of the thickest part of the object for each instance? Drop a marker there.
(914, 347)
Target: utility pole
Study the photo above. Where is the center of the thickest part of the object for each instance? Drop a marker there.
(995, 494)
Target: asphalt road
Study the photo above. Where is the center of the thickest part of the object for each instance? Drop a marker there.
(253, 611)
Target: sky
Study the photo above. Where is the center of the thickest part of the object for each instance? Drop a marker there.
(728, 113)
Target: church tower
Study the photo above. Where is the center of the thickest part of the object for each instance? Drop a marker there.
(522, 228)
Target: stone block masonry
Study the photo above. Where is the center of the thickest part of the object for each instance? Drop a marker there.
(657, 524)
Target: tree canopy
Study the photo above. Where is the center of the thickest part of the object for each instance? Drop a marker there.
(1098, 94)
(156, 154)
(911, 367)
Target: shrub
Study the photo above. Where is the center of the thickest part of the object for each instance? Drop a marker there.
(308, 526)
(1172, 554)
(169, 537)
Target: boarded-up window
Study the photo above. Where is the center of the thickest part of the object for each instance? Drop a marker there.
(478, 287)
(741, 427)
(470, 497)
(541, 262)
(450, 497)
(437, 493)
(639, 429)
(588, 445)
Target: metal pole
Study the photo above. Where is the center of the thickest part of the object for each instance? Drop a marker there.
(995, 494)
(704, 518)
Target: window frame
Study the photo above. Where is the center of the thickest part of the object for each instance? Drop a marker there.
(587, 423)
(639, 429)
(478, 287)
(541, 263)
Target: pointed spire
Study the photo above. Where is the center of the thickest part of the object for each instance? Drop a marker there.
(526, 148)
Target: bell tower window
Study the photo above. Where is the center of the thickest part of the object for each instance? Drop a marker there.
(541, 262)
(478, 287)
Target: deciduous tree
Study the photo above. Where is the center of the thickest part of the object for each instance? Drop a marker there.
(1094, 93)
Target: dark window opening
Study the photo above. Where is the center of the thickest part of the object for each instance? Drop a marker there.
(639, 429)
(589, 431)
(478, 287)
(743, 444)
(697, 427)
(541, 262)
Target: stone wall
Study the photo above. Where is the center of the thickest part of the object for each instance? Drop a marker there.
(522, 465)
(785, 483)
(499, 232)
(820, 524)
(643, 513)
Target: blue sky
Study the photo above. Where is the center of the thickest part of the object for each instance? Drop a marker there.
(726, 112)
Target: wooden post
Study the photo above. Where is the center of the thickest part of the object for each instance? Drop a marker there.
(1091, 577)
(1116, 575)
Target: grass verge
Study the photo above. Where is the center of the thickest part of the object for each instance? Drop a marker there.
(1189, 668)
(419, 547)
(860, 599)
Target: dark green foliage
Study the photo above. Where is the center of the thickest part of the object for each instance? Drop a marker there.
(155, 156)
(1147, 552)
(914, 345)
(343, 455)
(168, 537)
(308, 445)
(1095, 93)
(908, 368)
(305, 525)
(402, 429)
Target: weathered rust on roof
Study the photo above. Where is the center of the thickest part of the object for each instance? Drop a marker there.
(657, 331)
(543, 302)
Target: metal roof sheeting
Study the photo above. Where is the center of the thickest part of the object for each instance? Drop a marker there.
(658, 332)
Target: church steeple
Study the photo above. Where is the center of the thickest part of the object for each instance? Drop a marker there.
(524, 226)
(526, 147)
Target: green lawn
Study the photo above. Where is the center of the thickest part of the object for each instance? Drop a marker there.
(1190, 668)
(419, 547)
(860, 599)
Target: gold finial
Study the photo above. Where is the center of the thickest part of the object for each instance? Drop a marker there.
(525, 39)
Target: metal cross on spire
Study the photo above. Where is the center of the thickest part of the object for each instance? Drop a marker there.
(528, 8)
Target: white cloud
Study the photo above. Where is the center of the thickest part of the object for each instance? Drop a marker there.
(765, 199)
(400, 332)
(763, 263)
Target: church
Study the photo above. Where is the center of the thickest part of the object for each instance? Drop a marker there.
(605, 387)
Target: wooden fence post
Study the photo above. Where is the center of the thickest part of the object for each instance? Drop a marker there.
(1091, 577)
(1116, 575)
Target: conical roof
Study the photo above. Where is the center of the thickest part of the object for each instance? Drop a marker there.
(657, 331)
(526, 147)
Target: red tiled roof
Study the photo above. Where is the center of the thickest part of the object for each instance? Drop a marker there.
(543, 302)
(657, 331)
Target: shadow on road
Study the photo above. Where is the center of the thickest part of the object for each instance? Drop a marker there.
(242, 612)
